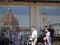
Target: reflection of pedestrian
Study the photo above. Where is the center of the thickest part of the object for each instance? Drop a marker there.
(6, 36)
(15, 37)
(12, 37)
(51, 29)
(33, 37)
(44, 36)
(20, 37)
(48, 37)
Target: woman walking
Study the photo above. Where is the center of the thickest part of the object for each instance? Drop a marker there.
(48, 42)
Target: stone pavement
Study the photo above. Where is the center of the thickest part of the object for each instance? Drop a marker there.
(56, 43)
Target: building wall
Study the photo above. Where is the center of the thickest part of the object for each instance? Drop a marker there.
(35, 17)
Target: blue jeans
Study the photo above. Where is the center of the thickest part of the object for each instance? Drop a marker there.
(49, 41)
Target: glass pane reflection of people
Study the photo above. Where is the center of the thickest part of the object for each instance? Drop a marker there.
(6, 37)
(16, 36)
(33, 36)
(47, 37)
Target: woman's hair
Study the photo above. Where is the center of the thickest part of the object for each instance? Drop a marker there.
(48, 29)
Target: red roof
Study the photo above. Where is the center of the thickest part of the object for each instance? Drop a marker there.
(9, 19)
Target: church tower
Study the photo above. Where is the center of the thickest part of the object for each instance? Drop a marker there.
(44, 18)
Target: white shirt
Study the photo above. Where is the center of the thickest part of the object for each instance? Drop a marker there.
(48, 35)
(34, 34)
(19, 35)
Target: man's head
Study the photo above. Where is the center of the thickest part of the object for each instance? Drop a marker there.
(33, 28)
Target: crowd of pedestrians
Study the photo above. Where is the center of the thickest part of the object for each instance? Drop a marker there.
(15, 37)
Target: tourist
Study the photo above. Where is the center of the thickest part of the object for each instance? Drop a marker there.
(15, 36)
(48, 37)
(33, 37)
(51, 29)
(6, 36)
(44, 36)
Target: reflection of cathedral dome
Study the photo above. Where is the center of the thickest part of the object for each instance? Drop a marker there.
(9, 20)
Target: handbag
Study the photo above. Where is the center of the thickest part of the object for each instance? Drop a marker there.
(32, 40)
(44, 39)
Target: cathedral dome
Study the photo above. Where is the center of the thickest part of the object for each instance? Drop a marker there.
(9, 20)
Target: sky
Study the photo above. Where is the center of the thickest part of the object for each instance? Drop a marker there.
(54, 11)
(53, 14)
(24, 10)
(22, 13)
(17, 10)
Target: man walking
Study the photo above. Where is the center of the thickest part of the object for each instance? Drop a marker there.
(33, 36)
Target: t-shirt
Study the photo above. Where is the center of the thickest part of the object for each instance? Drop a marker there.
(34, 34)
(48, 35)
